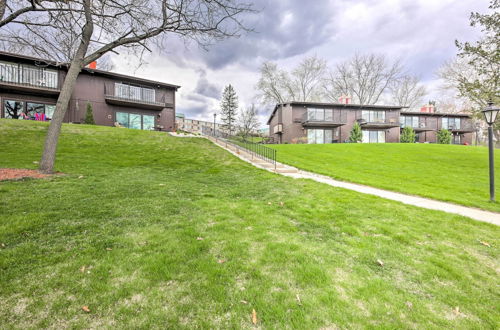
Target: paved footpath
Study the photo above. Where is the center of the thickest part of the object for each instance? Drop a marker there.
(476, 214)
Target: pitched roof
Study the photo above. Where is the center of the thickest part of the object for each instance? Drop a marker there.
(336, 105)
(434, 114)
(64, 65)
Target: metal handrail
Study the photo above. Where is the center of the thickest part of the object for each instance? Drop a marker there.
(256, 150)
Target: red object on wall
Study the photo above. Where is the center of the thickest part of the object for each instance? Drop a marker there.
(93, 65)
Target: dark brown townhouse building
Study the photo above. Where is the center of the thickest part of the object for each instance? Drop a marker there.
(307, 122)
(29, 88)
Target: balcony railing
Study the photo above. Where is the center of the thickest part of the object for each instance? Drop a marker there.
(123, 94)
(463, 127)
(334, 118)
(388, 122)
(25, 75)
(135, 93)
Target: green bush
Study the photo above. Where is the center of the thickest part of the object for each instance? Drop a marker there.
(408, 135)
(443, 136)
(356, 134)
(89, 116)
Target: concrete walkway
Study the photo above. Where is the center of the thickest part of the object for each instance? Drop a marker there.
(476, 214)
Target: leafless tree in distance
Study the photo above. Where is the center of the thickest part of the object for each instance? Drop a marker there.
(77, 32)
(407, 91)
(364, 77)
(248, 120)
(303, 83)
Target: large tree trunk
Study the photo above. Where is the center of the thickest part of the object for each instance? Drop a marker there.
(50, 147)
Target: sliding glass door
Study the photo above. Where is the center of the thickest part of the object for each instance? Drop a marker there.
(373, 136)
(135, 121)
(319, 136)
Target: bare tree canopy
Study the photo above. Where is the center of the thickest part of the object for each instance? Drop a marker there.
(248, 121)
(407, 91)
(364, 77)
(307, 78)
(303, 83)
(80, 31)
(272, 84)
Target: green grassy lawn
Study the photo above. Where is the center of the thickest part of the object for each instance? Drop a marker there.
(453, 173)
(151, 231)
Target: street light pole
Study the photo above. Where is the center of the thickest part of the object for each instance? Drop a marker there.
(492, 163)
(490, 115)
(215, 115)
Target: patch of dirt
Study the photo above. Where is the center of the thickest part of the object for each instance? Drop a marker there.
(20, 173)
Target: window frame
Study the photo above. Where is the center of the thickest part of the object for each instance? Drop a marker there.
(141, 122)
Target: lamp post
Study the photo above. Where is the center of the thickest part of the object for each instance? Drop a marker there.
(215, 115)
(490, 115)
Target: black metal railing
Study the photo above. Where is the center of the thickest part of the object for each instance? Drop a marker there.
(256, 150)
(26, 75)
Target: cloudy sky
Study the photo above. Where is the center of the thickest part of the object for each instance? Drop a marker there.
(420, 32)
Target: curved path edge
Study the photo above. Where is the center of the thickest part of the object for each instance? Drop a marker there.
(427, 203)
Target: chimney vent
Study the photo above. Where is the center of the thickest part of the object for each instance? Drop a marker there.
(429, 108)
(345, 99)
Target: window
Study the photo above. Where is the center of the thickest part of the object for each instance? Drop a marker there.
(373, 136)
(411, 121)
(319, 136)
(135, 121)
(314, 114)
(28, 110)
(13, 109)
(372, 116)
(450, 123)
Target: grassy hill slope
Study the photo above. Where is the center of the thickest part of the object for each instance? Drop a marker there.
(151, 231)
(453, 173)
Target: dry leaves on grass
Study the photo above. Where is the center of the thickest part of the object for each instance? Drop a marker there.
(199, 238)
(254, 316)
(221, 261)
(20, 173)
(457, 312)
(380, 263)
(485, 243)
(86, 309)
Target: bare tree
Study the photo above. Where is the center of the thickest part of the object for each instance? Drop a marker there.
(78, 32)
(248, 121)
(303, 83)
(407, 91)
(272, 84)
(307, 78)
(364, 77)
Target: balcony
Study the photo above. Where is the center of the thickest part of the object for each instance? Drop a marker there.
(421, 127)
(378, 122)
(22, 78)
(462, 128)
(133, 96)
(333, 119)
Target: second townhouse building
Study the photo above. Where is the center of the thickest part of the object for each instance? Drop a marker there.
(309, 122)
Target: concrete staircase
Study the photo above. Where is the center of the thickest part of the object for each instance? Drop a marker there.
(258, 162)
